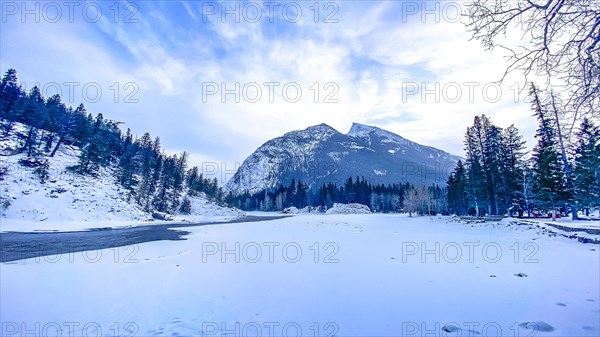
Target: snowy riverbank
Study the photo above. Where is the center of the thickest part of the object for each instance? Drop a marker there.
(351, 275)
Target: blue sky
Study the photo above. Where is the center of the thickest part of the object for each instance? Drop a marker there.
(156, 63)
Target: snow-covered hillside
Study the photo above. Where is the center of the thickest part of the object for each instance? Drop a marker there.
(316, 275)
(71, 201)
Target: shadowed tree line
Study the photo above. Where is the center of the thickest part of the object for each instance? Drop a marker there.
(378, 197)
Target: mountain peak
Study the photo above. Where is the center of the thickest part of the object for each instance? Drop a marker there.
(319, 130)
(359, 129)
(320, 126)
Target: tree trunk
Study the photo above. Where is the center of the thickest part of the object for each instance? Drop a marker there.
(8, 128)
(566, 165)
(30, 141)
(575, 211)
(60, 140)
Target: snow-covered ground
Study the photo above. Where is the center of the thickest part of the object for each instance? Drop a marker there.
(580, 229)
(71, 201)
(567, 222)
(315, 275)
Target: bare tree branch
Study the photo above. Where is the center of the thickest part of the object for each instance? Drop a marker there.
(560, 42)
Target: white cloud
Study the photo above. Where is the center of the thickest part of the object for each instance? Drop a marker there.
(370, 55)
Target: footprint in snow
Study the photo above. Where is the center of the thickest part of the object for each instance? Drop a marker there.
(537, 326)
(452, 328)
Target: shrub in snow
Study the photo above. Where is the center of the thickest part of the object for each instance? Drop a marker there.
(3, 172)
(42, 171)
(161, 216)
(186, 206)
(32, 162)
(290, 210)
(201, 207)
(310, 209)
(348, 209)
(59, 190)
(4, 203)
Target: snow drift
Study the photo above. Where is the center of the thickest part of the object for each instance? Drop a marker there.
(348, 209)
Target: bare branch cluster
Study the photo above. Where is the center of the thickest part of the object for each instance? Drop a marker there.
(560, 41)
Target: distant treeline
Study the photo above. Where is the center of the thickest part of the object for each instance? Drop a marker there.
(379, 197)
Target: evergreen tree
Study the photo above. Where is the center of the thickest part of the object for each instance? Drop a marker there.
(10, 95)
(178, 179)
(145, 169)
(96, 152)
(457, 190)
(153, 184)
(512, 168)
(475, 181)
(61, 121)
(186, 206)
(587, 165)
(548, 172)
(480, 180)
(129, 162)
(34, 114)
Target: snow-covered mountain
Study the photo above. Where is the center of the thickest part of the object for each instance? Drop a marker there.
(321, 154)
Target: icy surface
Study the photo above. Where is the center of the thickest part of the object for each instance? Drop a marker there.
(357, 275)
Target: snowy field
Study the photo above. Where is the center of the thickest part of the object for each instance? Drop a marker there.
(315, 275)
